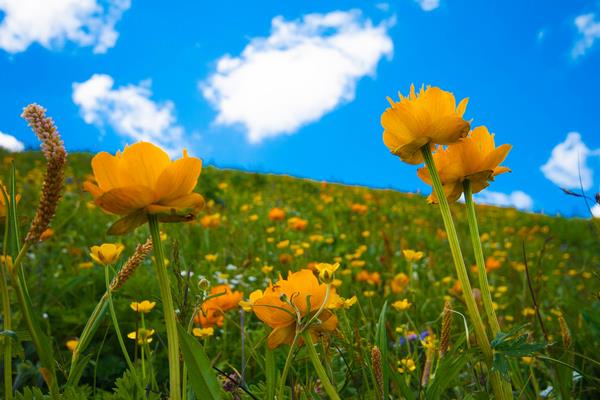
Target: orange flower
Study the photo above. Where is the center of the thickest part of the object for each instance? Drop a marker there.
(492, 264)
(214, 308)
(276, 214)
(475, 158)
(399, 282)
(211, 221)
(359, 208)
(297, 224)
(143, 180)
(3, 208)
(431, 117)
(298, 296)
(373, 278)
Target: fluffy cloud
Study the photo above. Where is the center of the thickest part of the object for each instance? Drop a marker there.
(596, 210)
(517, 199)
(568, 161)
(10, 143)
(588, 29)
(303, 70)
(428, 5)
(53, 22)
(129, 111)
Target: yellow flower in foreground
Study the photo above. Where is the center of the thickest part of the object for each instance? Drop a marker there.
(247, 304)
(402, 305)
(301, 295)
(326, 271)
(143, 336)
(475, 158)
(143, 180)
(431, 117)
(203, 332)
(411, 255)
(143, 306)
(107, 253)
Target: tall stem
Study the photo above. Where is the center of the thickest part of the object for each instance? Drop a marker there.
(476, 241)
(168, 309)
(286, 367)
(488, 304)
(7, 326)
(321, 373)
(461, 271)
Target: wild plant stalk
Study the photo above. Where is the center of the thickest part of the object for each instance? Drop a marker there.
(7, 326)
(488, 304)
(168, 310)
(314, 358)
(461, 271)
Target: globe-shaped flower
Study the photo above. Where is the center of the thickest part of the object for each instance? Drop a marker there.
(431, 117)
(475, 158)
(143, 180)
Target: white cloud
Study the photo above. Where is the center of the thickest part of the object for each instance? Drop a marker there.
(129, 111)
(596, 210)
(567, 161)
(10, 143)
(428, 5)
(53, 22)
(588, 29)
(517, 199)
(303, 70)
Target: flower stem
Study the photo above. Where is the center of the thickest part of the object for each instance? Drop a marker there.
(286, 367)
(481, 272)
(168, 310)
(113, 316)
(461, 270)
(6, 317)
(314, 358)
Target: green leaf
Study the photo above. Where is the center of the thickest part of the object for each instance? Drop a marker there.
(381, 342)
(270, 372)
(447, 370)
(203, 379)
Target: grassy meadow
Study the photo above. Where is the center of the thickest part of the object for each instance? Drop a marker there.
(399, 303)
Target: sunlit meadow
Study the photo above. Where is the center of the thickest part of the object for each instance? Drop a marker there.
(138, 275)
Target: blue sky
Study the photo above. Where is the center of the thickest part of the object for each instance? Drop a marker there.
(299, 87)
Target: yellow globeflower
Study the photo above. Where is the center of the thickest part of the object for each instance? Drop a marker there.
(475, 158)
(143, 336)
(143, 306)
(402, 305)
(326, 271)
(247, 304)
(143, 180)
(107, 253)
(431, 117)
(411, 255)
(203, 332)
(71, 344)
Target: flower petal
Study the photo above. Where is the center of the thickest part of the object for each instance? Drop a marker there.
(191, 201)
(279, 336)
(107, 171)
(125, 200)
(178, 179)
(143, 163)
(128, 223)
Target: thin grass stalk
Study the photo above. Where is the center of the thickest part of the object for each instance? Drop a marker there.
(7, 326)
(321, 373)
(461, 271)
(168, 310)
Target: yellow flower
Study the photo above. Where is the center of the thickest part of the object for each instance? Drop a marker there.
(203, 332)
(401, 305)
(107, 253)
(411, 255)
(431, 117)
(71, 344)
(247, 304)
(326, 271)
(528, 312)
(283, 244)
(211, 257)
(399, 282)
(211, 221)
(86, 265)
(143, 336)
(266, 269)
(406, 365)
(475, 158)
(143, 306)
(299, 296)
(143, 180)
(344, 303)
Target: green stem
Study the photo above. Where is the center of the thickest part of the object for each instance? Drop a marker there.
(143, 358)
(6, 316)
(168, 310)
(488, 304)
(113, 316)
(461, 270)
(286, 367)
(476, 241)
(321, 373)
(42, 346)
